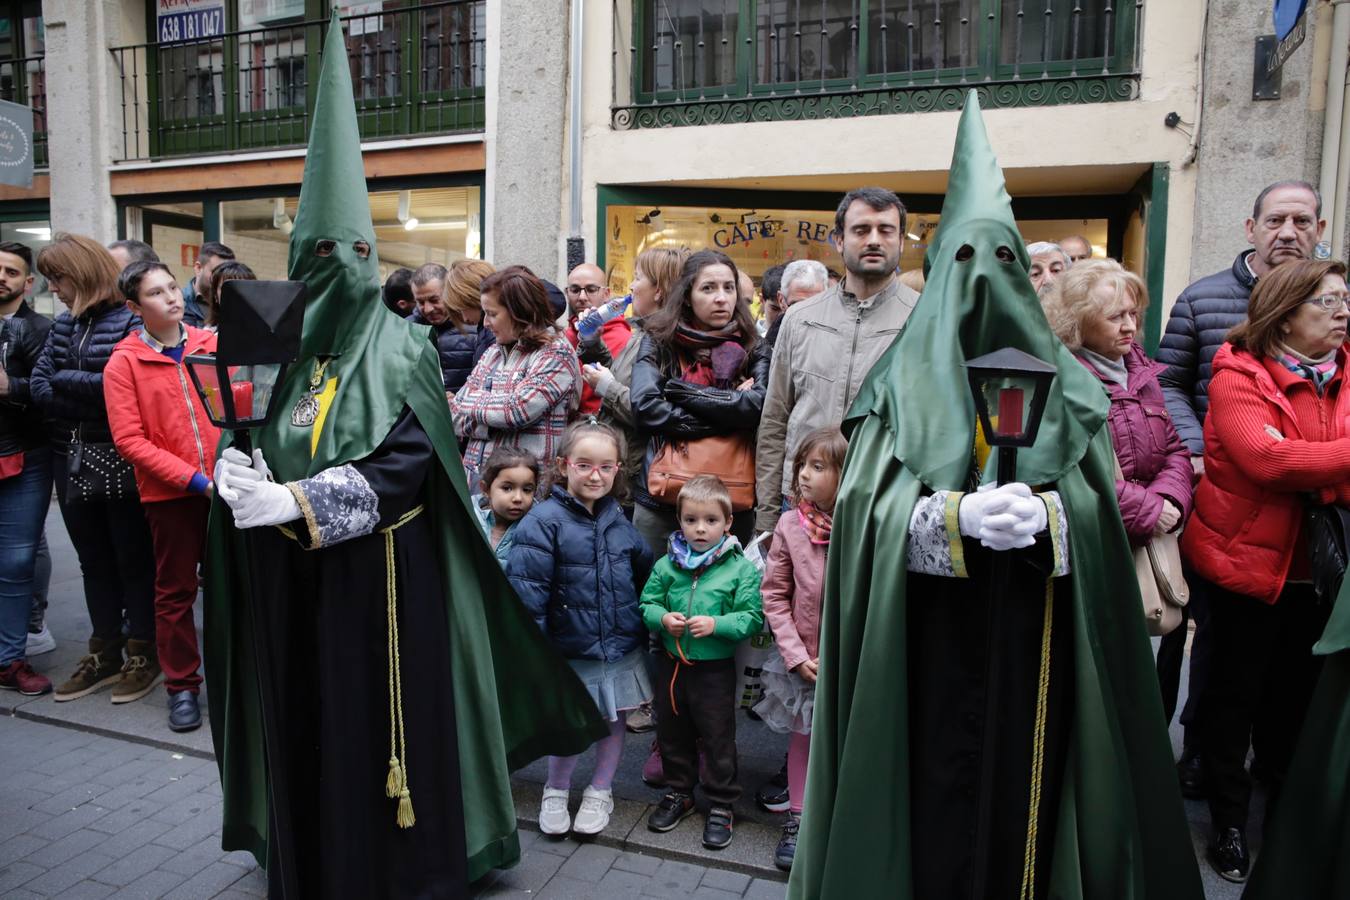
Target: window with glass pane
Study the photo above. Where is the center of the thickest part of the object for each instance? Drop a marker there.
(272, 69)
(919, 35)
(190, 84)
(1037, 31)
(689, 44)
(22, 75)
(452, 47)
(805, 41)
(375, 51)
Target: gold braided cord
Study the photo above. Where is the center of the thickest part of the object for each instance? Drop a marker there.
(1038, 748)
(396, 783)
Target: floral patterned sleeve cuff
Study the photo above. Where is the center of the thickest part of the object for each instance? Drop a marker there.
(338, 504)
(934, 536)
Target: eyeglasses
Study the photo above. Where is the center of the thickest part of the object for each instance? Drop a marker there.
(591, 289)
(584, 468)
(1331, 302)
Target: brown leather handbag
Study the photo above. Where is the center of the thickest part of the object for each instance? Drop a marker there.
(731, 457)
(1162, 586)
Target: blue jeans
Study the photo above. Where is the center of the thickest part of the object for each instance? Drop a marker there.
(24, 499)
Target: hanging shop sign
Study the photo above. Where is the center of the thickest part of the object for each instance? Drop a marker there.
(16, 145)
(189, 20)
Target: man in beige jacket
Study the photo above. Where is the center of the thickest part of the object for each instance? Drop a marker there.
(826, 345)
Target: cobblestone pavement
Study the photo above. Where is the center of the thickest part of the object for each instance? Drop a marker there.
(88, 816)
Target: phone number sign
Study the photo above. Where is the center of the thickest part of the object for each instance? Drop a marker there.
(190, 20)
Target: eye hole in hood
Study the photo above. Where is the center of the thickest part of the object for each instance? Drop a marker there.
(1005, 255)
(965, 253)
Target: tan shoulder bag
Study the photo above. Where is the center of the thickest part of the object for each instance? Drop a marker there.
(1162, 586)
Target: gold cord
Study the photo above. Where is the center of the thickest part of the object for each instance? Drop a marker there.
(396, 783)
(1028, 891)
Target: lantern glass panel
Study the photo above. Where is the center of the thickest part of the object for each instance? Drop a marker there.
(253, 387)
(1009, 400)
(207, 376)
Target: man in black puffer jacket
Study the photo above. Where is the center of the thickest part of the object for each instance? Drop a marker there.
(1286, 224)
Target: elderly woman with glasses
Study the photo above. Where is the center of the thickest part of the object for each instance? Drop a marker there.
(1277, 438)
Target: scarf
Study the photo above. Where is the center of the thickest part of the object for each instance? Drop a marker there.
(685, 557)
(1319, 371)
(1111, 370)
(717, 355)
(815, 522)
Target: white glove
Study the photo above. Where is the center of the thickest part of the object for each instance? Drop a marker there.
(233, 471)
(1005, 517)
(259, 503)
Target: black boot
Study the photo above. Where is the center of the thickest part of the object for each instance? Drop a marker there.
(1228, 855)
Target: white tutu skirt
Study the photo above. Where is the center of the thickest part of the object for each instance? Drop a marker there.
(788, 701)
(617, 686)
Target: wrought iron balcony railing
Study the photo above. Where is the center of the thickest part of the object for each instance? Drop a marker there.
(699, 62)
(415, 71)
(24, 81)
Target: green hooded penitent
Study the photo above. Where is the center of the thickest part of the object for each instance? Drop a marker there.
(1087, 803)
(481, 690)
(1306, 849)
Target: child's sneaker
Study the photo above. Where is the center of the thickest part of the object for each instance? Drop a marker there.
(717, 830)
(593, 817)
(653, 772)
(19, 676)
(773, 794)
(671, 811)
(787, 844)
(553, 816)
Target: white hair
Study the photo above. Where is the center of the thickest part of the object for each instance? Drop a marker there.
(1041, 248)
(808, 270)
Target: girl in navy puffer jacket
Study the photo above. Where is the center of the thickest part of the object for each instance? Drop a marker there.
(580, 565)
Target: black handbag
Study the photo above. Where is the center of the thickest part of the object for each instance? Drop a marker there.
(1325, 528)
(97, 472)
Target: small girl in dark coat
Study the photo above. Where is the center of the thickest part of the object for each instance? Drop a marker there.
(579, 566)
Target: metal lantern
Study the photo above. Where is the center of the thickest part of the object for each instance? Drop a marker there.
(1010, 389)
(260, 324)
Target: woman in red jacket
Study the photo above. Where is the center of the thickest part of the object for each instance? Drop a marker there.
(161, 428)
(1276, 438)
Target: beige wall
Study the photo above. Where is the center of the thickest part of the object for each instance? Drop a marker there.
(1106, 145)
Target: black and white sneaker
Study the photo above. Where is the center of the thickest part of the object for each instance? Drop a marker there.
(773, 794)
(671, 811)
(1228, 855)
(787, 844)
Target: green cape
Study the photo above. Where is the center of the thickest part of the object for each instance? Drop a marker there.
(515, 698)
(1121, 833)
(1306, 852)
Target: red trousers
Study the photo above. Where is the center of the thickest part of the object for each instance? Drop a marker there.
(178, 529)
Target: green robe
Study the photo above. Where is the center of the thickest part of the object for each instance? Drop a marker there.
(515, 698)
(1121, 830)
(1306, 850)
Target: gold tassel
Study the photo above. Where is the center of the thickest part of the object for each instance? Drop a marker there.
(393, 785)
(406, 819)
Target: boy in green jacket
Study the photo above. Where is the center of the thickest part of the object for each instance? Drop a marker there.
(703, 596)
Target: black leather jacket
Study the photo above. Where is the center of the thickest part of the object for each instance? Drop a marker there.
(21, 340)
(665, 406)
(1196, 329)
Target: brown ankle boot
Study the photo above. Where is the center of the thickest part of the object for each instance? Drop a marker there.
(139, 675)
(97, 669)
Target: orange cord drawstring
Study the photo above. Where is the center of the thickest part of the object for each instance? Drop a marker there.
(676, 674)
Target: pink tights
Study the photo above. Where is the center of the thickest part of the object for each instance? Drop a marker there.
(799, 749)
(608, 750)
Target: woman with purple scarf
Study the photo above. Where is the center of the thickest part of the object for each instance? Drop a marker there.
(701, 371)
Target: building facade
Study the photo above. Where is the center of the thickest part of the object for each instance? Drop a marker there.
(502, 128)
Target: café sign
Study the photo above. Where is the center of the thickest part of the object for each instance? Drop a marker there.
(745, 232)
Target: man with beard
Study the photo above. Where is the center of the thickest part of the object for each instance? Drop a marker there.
(827, 345)
(25, 469)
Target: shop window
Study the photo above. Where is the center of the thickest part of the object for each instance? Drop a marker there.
(412, 227)
(758, 239)
(35, 234)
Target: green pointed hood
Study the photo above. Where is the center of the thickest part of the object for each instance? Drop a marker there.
(344, 288)
(977, 299)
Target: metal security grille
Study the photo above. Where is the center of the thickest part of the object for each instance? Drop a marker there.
(695, 62)
(418, 70)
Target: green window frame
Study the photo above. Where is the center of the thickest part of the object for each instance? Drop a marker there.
(981, 39)
(23, 73)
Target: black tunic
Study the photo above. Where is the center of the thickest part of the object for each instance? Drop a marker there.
(327, 623)
(949, 645)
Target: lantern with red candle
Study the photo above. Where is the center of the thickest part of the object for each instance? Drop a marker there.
(1010, 389)
(260, 325)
